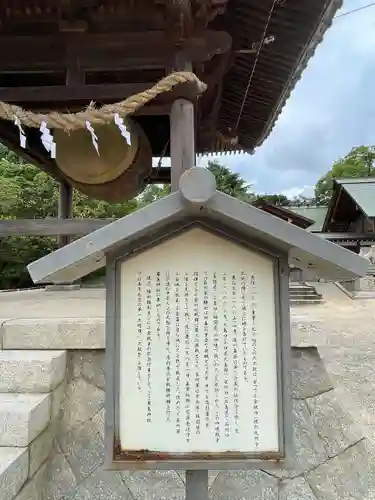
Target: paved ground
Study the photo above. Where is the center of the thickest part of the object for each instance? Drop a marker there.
(343, 329)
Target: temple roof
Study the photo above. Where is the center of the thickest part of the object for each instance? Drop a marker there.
(285, 213)
(63, 55)
(315, 213)
(350, 197)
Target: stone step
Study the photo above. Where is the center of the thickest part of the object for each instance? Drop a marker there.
(295, 302)
(14, 467)
(31, 371)
(308, 293)
(23, 417)
(303, 292)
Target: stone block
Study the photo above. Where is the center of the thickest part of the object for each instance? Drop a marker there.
(244, 485)
(309, 450)
(82, 401)
(54, 333)
(83, 448)
(344, 477)
(334, 425)
(61, 482)
(93, 368)
(309, 377)
(31, 371)
(57, 397)
(367, 283)
(23, 417)
(296, 489)
(88, 365)
(153, 485)
(14, 467)
(34, 488)
(75, 360)
(40, 449)
(98, 421)
(103, 485)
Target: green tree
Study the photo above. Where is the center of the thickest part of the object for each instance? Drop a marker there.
(277, 199)
(152, 193)
(229, 182)
(359, 162)
(26, 192)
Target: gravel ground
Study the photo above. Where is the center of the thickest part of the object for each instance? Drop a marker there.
(344, 331)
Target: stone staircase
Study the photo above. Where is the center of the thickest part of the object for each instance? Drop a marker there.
(30, 397)
(302, 294)
(371, 270)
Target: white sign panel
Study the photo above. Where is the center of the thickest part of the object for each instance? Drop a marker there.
(198, 348)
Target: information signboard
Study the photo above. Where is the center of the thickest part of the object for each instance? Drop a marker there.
(198, 348)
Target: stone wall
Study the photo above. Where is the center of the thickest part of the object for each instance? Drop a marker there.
(366, 283)
(332, 458)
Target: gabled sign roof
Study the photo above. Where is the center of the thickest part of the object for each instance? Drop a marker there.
(198, 199)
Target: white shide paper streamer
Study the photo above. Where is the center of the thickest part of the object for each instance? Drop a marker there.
(123, 129)
(47, 139)
(17, 123)
(94, 137)
(50, 145)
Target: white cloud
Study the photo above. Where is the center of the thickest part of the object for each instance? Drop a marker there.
(294, 191)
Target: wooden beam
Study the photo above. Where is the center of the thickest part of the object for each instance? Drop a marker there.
(51, 227)
(100, 92)
(71, 93)
(109, 50)
(65, 210)
(179, 19)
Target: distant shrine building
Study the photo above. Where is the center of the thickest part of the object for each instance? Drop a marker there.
(349, 219)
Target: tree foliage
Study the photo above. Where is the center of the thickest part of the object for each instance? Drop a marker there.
(229, 182)
(26, 192)
(359, 162)
(276, 199)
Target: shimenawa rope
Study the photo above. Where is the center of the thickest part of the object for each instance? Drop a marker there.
(103, 115)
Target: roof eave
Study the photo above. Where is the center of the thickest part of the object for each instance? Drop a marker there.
(316, 39)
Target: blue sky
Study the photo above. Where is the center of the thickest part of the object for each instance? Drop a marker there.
(331, 109)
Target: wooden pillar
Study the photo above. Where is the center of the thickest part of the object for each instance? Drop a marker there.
(65, 210)
(182, 134)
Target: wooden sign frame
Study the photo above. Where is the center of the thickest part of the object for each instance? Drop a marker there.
(115, 459)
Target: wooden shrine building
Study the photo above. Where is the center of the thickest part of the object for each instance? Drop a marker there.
(350, 218)
(63, 56)
(284, 213)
